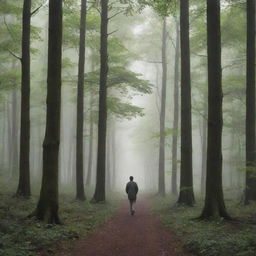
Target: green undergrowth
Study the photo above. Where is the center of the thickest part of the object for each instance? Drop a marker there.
(20, 236)
(211, 238)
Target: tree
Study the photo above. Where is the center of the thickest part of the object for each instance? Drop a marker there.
(90, 157)
(80, 194)
(214, 206)
(47, 207)
(24, 175)
(186, 195)
(99, 195)
(161, 167)
(250, 191)
(204, 148)
(175, 112)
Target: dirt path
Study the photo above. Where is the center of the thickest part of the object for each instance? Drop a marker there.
(126, 235)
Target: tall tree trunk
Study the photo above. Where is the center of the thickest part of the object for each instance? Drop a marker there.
(99, 194)
(47, 208)
(214, 206)
(176, 113)
(3, 135)
(113, 148)
(14, 140)
(10, 137)
(250, 193)
(90, 157)
(108, 162)
(80, 195)
(24, 177)
(204, 149)
(161, 168)
(186, 195)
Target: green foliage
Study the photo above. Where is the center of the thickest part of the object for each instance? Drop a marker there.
(121, 82)
(168, 132)
(162, 7)
(20, 236)
(123, 110)
(121, 79)
(9, 79)
(216, 238)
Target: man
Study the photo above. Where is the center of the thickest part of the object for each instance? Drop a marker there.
(132, 190)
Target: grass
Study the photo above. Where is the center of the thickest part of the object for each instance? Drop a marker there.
(20, 236)
(215, 238)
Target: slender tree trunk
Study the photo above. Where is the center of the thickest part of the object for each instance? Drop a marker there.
(47, 208)
(113, 148)
(80, 195)
(24, 177)
(204, 149)
(14, 140)
(186, 195)
(99, 194)
(250, 193)
(90, 158)
(10, 137)
(108, 163)
(161, 169)
(214, 206)
(3, 135)
(176, 113)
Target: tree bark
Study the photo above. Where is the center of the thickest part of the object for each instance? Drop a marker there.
(113, 148)
(186, 195)
(10, 137)
(80, 194)
(214, 206)
(176, 113)
(250, 191)
(108, 162)
(204, 149)
(24, 173)
(161, 168)
(47, 208)
(15, 130)
(90, 157)
(99, 195)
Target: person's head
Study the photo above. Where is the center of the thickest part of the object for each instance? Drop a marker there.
(131, 178)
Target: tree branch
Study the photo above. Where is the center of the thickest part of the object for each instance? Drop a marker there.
(112, 32)
(36, 10)
(111, 17)
(14, 55)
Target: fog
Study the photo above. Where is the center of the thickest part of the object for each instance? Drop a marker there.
(137, 137)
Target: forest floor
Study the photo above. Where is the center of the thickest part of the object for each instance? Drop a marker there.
(20, 236)
(124, 235)
(211, 238)
(159, 228)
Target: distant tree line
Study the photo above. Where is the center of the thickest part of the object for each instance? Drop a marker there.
(111, 77)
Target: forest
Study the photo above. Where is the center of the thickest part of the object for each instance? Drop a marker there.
(94, 94)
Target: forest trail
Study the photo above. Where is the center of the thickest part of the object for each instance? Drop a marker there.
(126, 235)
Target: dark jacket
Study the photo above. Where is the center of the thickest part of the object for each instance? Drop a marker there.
(132, 190)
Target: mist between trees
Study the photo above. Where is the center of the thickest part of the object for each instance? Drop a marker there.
(110, 89)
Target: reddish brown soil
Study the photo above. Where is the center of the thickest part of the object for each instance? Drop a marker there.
(126, 235)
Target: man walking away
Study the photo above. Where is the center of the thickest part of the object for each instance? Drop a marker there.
(132, 190)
